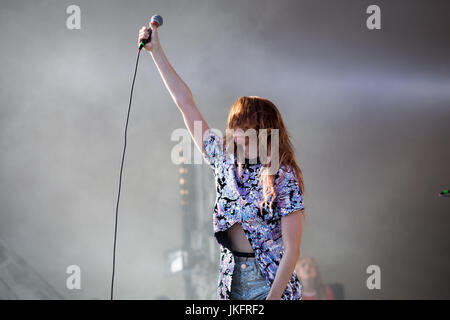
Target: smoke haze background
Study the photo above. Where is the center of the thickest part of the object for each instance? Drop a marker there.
(368, 112)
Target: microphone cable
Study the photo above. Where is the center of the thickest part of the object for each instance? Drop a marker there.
(120, 178)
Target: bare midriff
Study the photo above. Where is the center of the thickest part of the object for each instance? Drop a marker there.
(239, 241)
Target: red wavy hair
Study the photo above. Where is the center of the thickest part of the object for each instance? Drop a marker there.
(253, 112)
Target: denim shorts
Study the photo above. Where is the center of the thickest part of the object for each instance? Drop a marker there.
(248, 282)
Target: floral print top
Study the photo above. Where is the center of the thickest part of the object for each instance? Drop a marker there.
(237, 201)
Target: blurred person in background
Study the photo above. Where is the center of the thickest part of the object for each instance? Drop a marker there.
(313, 286)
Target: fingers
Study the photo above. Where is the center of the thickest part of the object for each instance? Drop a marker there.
(143, 30)
(143, 33)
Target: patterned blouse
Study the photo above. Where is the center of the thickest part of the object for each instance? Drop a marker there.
(237, 201)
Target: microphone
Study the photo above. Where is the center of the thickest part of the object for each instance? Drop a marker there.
(157, 21)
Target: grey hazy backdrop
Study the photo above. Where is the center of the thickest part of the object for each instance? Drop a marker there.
(368, 112)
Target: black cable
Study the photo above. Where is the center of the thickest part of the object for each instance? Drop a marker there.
(120, 179)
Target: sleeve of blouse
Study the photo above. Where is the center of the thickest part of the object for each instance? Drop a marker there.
(212, 148)
(289, 197)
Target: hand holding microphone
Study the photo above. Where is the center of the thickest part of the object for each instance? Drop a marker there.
(148, 38)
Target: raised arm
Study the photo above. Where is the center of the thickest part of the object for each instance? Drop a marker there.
(180, 92)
